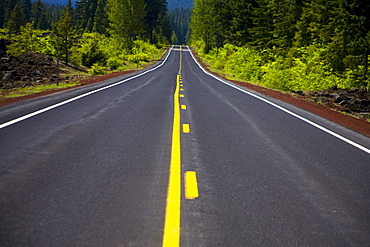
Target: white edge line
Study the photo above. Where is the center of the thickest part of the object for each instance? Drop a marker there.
(285, 110)
(14, 121)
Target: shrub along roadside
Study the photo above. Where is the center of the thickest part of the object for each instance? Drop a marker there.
(296, 69)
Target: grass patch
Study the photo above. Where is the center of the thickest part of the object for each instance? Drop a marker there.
(19, 92)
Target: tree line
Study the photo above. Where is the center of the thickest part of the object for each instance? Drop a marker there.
(180, 19)
(143, 18)
(340, 29)
(14, 14)
(89, 32)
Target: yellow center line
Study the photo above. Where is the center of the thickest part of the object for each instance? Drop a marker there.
(191, 185)
(180, 67)
(183, 107)
(171, 236)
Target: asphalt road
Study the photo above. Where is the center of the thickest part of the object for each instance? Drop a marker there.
(95, 171)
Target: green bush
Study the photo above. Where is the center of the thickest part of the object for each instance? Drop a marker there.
(294, 69)
(96, 69)
(114, 63)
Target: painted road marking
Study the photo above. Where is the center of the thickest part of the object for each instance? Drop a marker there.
(191, 185)
(171, 235)
(183, 107)
(186, 128)
(182, 96)
(181, 89)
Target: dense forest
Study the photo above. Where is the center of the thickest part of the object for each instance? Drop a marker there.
(180, 19)
(286, 44)
(92, 33)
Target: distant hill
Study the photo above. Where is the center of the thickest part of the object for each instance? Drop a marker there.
(186, 4)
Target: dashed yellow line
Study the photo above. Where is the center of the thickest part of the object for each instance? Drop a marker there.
(186, 128)
(191, 185)
(183, 107)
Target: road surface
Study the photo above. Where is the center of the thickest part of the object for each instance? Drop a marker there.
(105, 165)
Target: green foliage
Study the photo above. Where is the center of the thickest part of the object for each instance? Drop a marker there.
(91, 49)
(39, 15)
(298, 69)
(62, 38)
(293, 44)
(16, 20)
(96, 69)
(114, 63)
(26, 41)
(174, 39)
(180, 20)
(126, 20)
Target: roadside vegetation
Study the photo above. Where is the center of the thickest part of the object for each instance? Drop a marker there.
(286, 45)
(92, 37)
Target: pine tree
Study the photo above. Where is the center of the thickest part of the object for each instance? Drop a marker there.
(126, 20)
(204, 24)
(62, 37)
(101, 20)
(155, 11)
(39, 15)
(26, 8)
(263, 25)
(180, 20)
(314, 25)
(174, 40)
(240, 21)
(16, 20)
(286, 14)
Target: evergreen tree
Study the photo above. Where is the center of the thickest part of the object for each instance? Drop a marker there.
(39, 15)
(204, 24)
(180, 20)
(174, 40)
(16, 20)
(101, 20)
(263, 25)
(286, 14)
(155, 11)
(240, 15)
(314, 25)
(82, 15)
(126, 20)
(63, 35)
(26, 9)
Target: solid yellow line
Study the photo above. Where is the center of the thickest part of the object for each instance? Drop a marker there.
(180, 67)
(191, 185)
(186, 128)
(171, 235)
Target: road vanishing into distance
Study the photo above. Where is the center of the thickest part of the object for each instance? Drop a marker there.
(176, 157)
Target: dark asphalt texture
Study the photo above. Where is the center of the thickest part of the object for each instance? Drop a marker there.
(94, 172)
